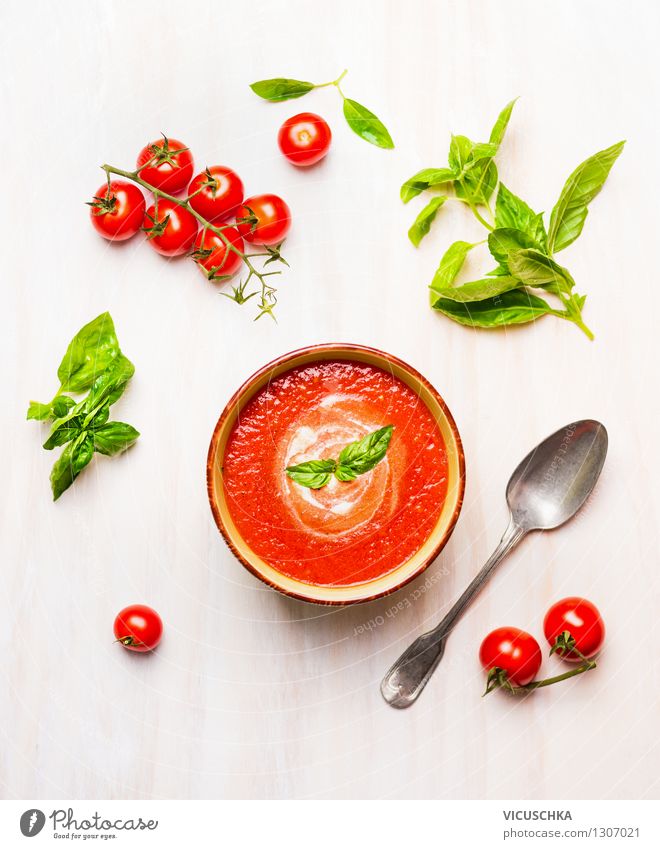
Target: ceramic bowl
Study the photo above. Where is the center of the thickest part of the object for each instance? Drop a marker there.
(404, 573)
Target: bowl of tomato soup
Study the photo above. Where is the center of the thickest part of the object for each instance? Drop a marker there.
(356, 534)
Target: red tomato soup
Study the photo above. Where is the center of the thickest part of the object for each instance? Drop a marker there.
(346, 532)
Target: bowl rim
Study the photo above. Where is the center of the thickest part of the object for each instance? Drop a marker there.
(330, 348)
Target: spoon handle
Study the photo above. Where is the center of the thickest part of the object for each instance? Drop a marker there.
(408, 676)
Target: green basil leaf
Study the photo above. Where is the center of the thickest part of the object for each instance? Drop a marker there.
(90, 352)
(450, 264)
(70, 464)
(366, 124)
(99, 418)
(313, 474)
(515, 307)
(114, 437)
(477, 290)
(361, 456)
(512, 212)
(423, 180)
(497, 133)
(426, 217)
(536, 269)
(57, 408)
(60, 405)
(482, 150)
(570, 211)
(477, 183)
(280, 88)
(505, 240)
(109, 386)
(460, 149)
(38, 411)
(63, 434)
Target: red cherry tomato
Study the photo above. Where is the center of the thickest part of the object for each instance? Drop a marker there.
(173, 233)
(513, 651)
(220, 193)
(273, 220)
(304, 139)
(214, 257)
(583, 622)
(166, 164)
(138, 628)
(117, 210)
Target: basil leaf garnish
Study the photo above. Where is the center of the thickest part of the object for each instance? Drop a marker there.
(361, 456)
(506, 240)
(313, 474)
(93, 362)
(497, 133)
(425, 179)
(280, 88)
(90, 352)
(515, 307)
(450, 264)
(426, 217)
(512, 212)
(366, 124)
(38, 411)
(70, 463)
(114, 437)
(570, 211)
(355, 459)
(477, 290)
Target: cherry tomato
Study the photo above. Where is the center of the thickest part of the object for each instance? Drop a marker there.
(513, 651)
(138, 628)
(174, 232)
(273, 220)
(304, 139)
(583, 622)
(221, 195)
(170, 165)
(117, 210)
(214, 257)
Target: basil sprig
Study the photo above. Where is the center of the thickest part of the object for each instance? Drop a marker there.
(93, 361)
(361, 120)
(517, 239)
(355, 459)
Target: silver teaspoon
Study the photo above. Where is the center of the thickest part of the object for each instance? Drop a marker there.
(548, 487)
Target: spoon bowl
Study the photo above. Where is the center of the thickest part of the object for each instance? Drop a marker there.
(554, 480)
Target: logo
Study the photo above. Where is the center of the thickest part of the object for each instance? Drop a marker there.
(32, 821)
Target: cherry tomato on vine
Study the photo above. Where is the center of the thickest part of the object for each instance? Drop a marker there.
(219, 193)
(266, 220)
(304, 139)
(138, 628)
(117, 210)
(214, 257)
(582, 620)
(166, 164)
(516, 653)
(173, 232)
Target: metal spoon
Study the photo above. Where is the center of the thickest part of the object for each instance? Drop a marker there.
(548, 488)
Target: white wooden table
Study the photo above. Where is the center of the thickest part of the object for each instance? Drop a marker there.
(252, 694)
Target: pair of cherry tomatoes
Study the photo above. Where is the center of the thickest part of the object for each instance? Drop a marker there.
(573, 627)
(216, 194)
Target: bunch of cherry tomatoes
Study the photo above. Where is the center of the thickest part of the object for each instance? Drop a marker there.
(213, 197)
(512, 658)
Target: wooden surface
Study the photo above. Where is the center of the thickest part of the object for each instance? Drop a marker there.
(252, 694)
